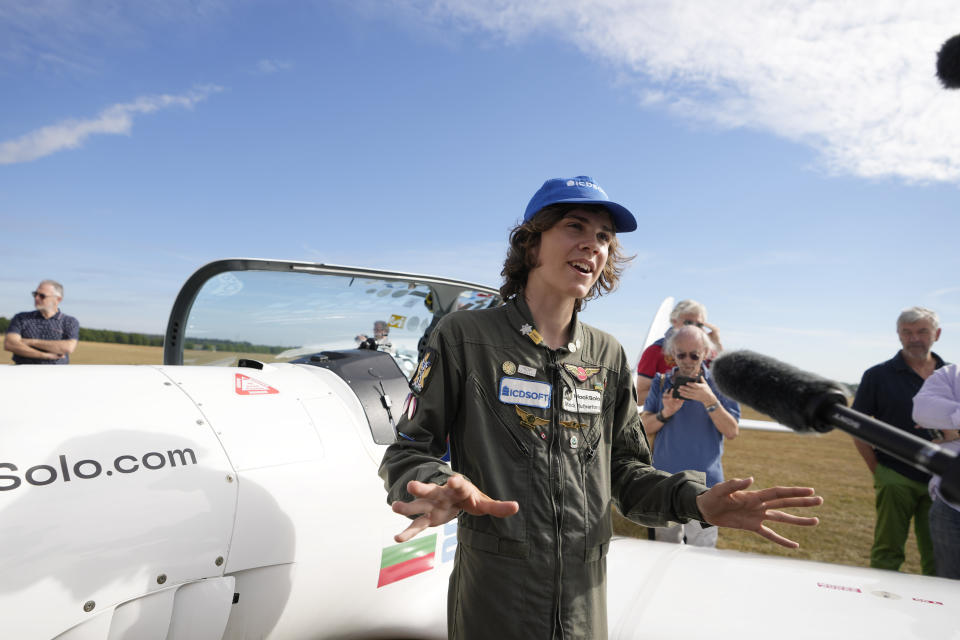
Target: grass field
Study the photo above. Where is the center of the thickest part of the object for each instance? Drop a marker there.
(828, 462)
(105, 353)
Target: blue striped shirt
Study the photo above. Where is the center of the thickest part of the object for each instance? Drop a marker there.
(32, 324)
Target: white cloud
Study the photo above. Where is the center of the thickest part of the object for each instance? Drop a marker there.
(943, 292)
(56, 35)
(273, 66)
(116, 119)
(854, 80)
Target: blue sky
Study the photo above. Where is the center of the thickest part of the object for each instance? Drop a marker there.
(794, 165)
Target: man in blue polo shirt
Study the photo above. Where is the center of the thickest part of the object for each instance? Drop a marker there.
(690, 424)
(46, 335)
(886, 392)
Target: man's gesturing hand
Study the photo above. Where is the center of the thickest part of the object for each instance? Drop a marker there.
(437, 504)
(727, 504)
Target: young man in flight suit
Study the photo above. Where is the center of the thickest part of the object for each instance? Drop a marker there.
(541, 416)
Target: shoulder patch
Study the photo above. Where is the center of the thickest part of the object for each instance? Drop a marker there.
(418, 383)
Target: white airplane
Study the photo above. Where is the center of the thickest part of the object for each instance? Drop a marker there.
(206, 502)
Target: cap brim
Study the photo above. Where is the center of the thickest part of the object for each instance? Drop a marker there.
(623, 220)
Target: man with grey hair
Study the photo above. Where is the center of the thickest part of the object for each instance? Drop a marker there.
(690, 418)
(654, 360)
(886, 392)
(45, 335)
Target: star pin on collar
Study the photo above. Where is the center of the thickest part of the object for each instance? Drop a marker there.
(531, 333)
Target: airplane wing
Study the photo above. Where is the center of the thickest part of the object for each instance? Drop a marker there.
(763, 425)
(658, 590)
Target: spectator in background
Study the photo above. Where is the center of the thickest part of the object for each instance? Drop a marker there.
(886, 392)
(45, 335)
(690, 428)
(654, 360)
(380, 340)
(937, 406)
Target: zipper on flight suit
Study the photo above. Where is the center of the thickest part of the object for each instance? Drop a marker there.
(555, 457)
(560, 383)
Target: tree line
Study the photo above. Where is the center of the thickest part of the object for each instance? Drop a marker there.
(153, 340)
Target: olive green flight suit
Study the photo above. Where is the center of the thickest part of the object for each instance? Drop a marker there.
(557, 431)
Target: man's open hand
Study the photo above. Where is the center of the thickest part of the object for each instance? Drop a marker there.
(437, 504)
(727, 504)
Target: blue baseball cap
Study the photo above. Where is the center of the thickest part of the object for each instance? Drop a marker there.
(579, 190)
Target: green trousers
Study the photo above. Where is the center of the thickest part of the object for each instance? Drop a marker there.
(898, 500)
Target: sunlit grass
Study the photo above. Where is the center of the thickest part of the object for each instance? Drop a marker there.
(108, 353)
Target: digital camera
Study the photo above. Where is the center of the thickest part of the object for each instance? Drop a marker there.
(679, 381)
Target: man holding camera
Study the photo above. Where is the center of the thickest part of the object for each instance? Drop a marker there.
(690, 418)
(654, 359)
(380, 340)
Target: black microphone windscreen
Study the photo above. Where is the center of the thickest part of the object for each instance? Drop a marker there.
(948, 63)
(790, 396)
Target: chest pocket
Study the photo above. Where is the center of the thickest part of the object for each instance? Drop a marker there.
(508, 425)
(586, 404)
(498, 455)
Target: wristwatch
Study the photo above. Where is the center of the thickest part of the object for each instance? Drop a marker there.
(662, 418)
(713, 407)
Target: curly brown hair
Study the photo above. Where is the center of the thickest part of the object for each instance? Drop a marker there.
(522, 255)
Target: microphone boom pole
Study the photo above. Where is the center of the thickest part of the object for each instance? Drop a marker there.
(806, 402)
(913, 450)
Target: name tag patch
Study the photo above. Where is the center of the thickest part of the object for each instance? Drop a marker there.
(585, 401)
(527, 371)
(529, 393)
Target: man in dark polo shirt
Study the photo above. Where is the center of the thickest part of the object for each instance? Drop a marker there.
(46, 335)
(886, 392)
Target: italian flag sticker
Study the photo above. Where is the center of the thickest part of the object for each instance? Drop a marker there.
(407, 559)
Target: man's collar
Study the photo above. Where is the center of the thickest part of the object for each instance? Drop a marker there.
(901, 363)
(521, 316)
(40, 313)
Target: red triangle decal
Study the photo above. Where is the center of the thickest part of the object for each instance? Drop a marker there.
(247, 386)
